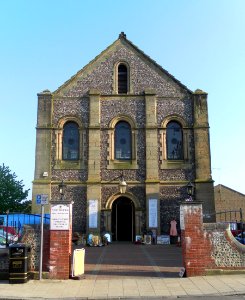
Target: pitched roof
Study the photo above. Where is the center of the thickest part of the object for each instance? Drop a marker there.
(122, 37)
(220, 186)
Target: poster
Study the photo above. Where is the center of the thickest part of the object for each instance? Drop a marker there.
(60, 217)
(93, 213)
(181, 218)
(163, 239)
(152, 213)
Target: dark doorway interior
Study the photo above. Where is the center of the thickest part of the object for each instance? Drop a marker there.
(123, 220)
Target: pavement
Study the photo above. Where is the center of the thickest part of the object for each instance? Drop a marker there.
(121, 271)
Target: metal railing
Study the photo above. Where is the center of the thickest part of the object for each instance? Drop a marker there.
(11, 225)
(232, 216)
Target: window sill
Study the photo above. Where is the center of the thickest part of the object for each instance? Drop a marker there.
(122, 164)
(69, 165)
(175, 164)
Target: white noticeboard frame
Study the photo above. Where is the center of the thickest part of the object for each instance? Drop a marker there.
(60, 217)
(153, 213)
(93, 213)
(182, 218)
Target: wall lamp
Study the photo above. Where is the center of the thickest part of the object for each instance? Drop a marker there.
(62, 190)
(190, 190)
(122, 185)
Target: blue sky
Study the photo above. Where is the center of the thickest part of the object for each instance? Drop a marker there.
(200, 42)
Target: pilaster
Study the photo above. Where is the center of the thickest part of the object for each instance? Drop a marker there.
(94, 178)
(201, 136)
(151, 136)
(41, 183)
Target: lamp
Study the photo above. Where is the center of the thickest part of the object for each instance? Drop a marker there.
(62, 189)
(122, 185)
(190, 190)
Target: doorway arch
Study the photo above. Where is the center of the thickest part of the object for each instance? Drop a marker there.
(123, 220)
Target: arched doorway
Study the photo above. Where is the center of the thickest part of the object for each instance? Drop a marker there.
(123, 220)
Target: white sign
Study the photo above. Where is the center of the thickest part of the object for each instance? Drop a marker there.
(60, 217)
(41, 199)
(153, 213)
(93, 213)
(182, 218)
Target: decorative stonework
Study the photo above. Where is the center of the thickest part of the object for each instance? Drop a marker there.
(142, 76)
(225, 250)
(71, 107)
(181, 107)
(129, 106)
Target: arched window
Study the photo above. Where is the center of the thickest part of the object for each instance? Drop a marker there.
(70, 142)
(174, 141)
(123, 141)
(122, 79)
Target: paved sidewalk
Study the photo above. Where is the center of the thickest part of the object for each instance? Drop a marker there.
(125, 288)
(128, 271)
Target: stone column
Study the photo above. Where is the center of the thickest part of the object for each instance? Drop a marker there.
(94, 178)
(152, 168)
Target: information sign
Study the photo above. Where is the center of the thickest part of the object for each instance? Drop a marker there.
(93, 213)
(42, 199)
(60, 217)
(181, 218)
(152, 213)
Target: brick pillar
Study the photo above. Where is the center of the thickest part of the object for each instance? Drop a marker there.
(196, 249)
(60, 240)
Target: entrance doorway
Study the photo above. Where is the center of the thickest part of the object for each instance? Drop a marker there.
(123, 220)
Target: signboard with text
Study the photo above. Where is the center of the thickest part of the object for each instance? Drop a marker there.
(60, 217)
(182, 219)
(93, 213)
(152, 213)
(42, 199)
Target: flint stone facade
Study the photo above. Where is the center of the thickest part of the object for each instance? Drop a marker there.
(91, 100)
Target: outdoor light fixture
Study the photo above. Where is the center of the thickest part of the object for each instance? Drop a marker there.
(62, 189)
(122, 185)
(190, 190)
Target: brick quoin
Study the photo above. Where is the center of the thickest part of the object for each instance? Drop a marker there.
(60, 254)
(196, 248)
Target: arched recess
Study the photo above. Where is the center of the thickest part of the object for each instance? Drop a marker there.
(186, 140)
(127, 195)
(137, 211)
(59, 137)
(116, 77)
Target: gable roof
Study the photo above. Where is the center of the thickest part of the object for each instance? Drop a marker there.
(221, 186)
(122, 38)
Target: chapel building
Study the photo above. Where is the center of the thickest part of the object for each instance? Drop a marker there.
(123, 119)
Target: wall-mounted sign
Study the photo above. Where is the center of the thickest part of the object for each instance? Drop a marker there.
(60, 217)
(153, 213)
(181, 218)
(93, 213)
(42, 199)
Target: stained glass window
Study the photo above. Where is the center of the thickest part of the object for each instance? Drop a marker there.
(174, 141)
(123, 144)
(70, 141)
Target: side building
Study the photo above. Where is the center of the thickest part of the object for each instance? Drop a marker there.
(123, 119)
(229, 200)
